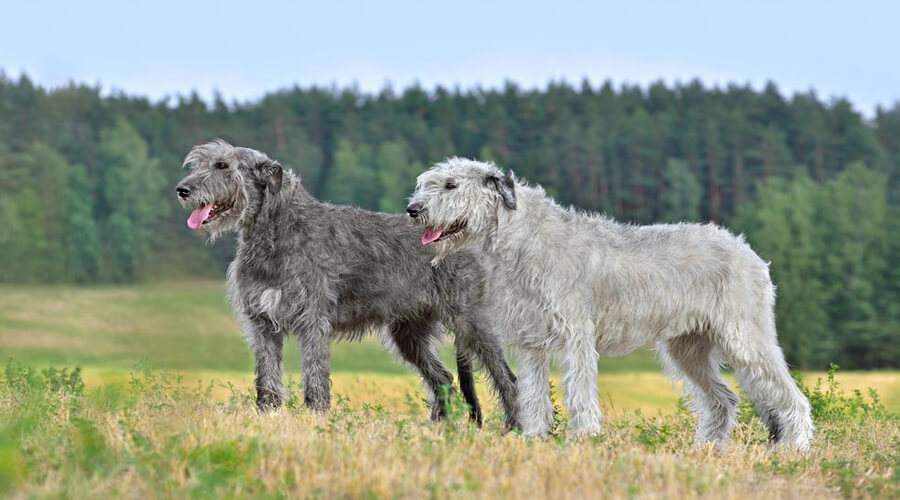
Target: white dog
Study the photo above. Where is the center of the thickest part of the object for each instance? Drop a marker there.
(587, 286)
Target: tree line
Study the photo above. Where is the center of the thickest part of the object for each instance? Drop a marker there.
(86, 179)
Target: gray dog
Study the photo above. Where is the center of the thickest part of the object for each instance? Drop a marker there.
(584, 285)
(327, 272)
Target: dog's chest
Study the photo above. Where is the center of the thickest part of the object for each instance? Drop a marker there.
(543, 310)
(256, 294)
(257, 299)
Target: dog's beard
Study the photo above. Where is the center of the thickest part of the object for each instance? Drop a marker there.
(228, 222)
(218, 228)
(475, 230)
(452, 244)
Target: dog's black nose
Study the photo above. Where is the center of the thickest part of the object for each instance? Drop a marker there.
(183, 191)
(414, 209)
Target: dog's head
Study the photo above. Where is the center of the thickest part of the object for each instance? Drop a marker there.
(226, 186)
(459, 199)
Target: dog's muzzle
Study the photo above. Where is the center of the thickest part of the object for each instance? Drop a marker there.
(414, 209)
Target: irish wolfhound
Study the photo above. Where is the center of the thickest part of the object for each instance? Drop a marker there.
(326, 272)
(586, 286)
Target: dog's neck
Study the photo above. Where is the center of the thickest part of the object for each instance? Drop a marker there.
(536, 213)
(264, 227)
(534, 228)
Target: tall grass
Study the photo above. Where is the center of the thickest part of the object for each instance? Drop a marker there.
(156, 437)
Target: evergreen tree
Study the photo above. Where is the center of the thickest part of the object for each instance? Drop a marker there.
(681, 194)
(12, 240)
(397, 176)
(29, 246)
(783, 227)
(36, 179)
(353, 179)
(856, 263)
(81, 238)
(130, 201)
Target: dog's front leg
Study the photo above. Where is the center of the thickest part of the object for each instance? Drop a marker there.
(535, 407)
(582, 395)
(315, 345)
(266, 341)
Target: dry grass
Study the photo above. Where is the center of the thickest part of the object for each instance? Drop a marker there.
(153, 438)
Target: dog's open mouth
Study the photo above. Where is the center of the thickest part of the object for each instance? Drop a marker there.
(205, 213)
(437, 234)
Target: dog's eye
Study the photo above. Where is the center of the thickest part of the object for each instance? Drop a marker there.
(221, 165)
(450, 185)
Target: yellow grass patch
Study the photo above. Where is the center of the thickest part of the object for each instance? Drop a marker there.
(650, 393)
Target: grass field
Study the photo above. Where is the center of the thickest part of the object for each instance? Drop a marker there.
(165, 411)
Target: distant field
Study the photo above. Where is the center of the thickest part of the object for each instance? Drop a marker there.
(175, 326)
(188, 328)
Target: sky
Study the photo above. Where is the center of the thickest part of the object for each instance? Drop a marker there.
(245, 49)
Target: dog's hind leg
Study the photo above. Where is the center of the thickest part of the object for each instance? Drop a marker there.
(778, 400)
(486, 346)
(415, 341)
(315, 345)
(692, 358)
(467, 383)
(763, 374)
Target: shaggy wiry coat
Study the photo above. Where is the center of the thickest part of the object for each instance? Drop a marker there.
(586, 286)
(326, 272)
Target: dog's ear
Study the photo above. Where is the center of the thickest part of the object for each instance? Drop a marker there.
(271, 173)
(506, 186)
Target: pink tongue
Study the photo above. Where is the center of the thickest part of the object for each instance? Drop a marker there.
(431, 235)
(195, 221)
